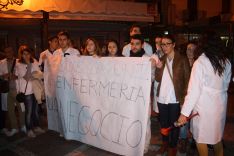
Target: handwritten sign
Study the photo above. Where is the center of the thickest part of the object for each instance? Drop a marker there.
(103, 102)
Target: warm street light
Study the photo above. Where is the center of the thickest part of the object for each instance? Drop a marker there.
(4, 3)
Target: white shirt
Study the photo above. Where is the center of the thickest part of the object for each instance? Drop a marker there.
(3, 71)
(3, 67)
(70, 51)
(20, 71)
(48, 54)
(167, 91)
(146, 46)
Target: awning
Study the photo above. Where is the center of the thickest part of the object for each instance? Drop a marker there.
(111, 10)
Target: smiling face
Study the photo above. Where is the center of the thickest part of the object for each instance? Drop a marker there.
(167, 46)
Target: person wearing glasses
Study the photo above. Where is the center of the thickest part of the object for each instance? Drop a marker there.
(172, 73)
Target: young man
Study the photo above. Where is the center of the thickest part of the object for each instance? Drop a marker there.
(7, 72)
(53, 46)
(48, 53)
(64, 44)
(135, 29)
(137, 46)
(138, 51)
(65, 49)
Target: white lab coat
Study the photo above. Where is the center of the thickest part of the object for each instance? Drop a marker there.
(3, 71)
(3, 65)
(21, 70)
(70, 50)
(48, 54)
(207, 95)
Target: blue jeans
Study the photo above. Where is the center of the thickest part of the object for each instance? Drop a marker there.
(31, 112)
(184, 131)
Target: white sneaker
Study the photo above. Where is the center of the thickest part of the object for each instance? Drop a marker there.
(12, 132)
(31, 134)
(23, 129)
(39, 130)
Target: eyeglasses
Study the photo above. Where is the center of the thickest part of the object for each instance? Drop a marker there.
(166, 44)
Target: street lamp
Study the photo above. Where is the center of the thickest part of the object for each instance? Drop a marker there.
(4, 3)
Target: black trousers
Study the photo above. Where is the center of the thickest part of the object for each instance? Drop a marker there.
(168, 114)
(2, 115)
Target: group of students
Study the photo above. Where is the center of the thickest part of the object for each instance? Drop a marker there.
(203, 91)
(22, 73)
(178, 92)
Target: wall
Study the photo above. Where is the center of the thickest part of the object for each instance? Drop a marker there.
(206, 9)
(232, 6)
(28, 31)
(176, 11)
(212, 7)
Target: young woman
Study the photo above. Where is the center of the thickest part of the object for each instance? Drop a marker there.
(113, 49)
(207, 95)
(190, 52)
(91, 47)
(172, 73)
(24, 68)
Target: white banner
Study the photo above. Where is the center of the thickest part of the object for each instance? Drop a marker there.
(103, 102)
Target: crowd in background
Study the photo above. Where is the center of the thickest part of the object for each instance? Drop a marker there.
(177, 92)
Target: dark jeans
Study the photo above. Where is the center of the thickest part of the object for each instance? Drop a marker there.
(31, 112)
(168, 114)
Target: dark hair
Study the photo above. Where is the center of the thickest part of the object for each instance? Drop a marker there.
(64, 33)
(6, 46)
(137, 37)
(118, 53)
(134, 26)
(195, 42)
(170, 37)
(158, 36)
(23, 48)
(214, 48)
(51, 38)
(197, 51)
(97, 50)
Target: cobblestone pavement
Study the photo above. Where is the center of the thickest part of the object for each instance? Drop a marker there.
(51, 144)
